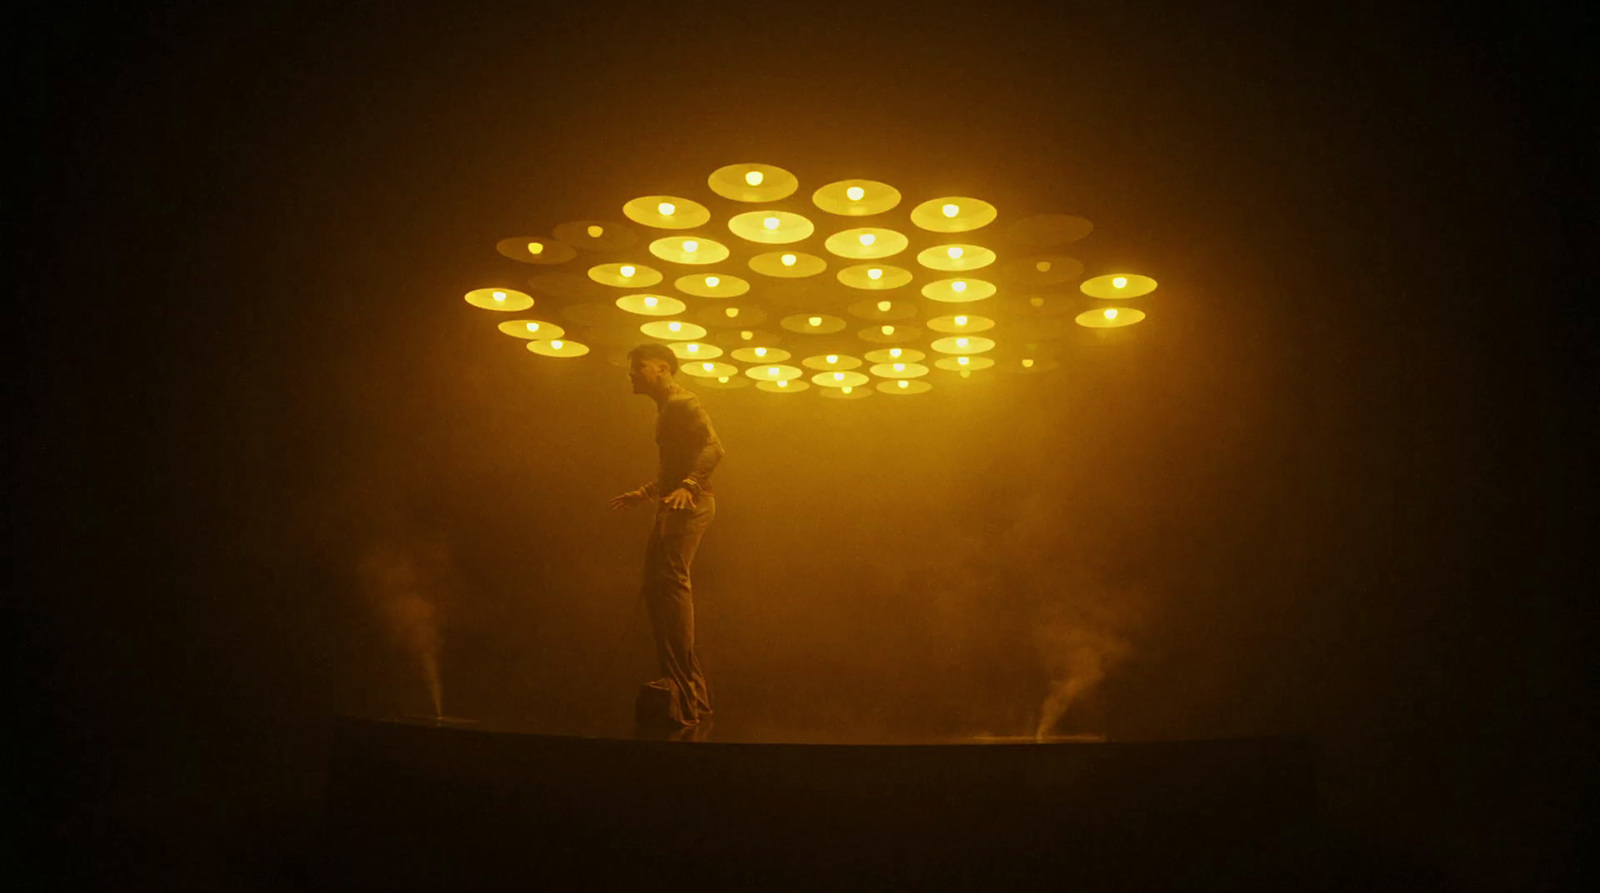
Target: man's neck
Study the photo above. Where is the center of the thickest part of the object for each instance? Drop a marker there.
(662, 396)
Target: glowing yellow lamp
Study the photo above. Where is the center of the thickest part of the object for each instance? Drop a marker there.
(651, 300)
(500, 297)
(557, 344)
(1119, 282)
(666, 208)
(691, 245)
(874, 273)
(787, 260)
(773, 371)
(771, 223)
(1111, 313)
(535, 247)
(783, 382)
(674, 326)
(951, 210)
(746, 335)
(895, 352)
(955, 252)
(903, 384)
(533, 327)
(708, 366)
(961, 320)
(732, 312)
(963, 360)
(814, 321)
(627, 271)
(1044, 267)
(958, 286)
(754, 178)
(1027, 363)
(761, 351)
(838, 376)
(887, 330)
(832, 358)
(867, 238)
(855, 193)
(883, 306)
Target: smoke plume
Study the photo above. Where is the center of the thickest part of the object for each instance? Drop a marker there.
(399, 586)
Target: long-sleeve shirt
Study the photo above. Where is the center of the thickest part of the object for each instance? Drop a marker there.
(690, 449)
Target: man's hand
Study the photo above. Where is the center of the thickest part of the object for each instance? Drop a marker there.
(680, 498)
(629, 498)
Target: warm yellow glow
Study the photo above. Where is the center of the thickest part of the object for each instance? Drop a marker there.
(1042, 266)
(838, 376)
(899, 367)
(783, 382)
(595, 230)
(904, 384)
(746, 335)
(709, 366)
(874, 273)
(721, 378)
(692, 348)
(958, 286)
(556, 345)
(814, 321)
(833, 358)
(868, 238)
(1120, 282)
(894, 352)
(732, 312)
(666, 208)
(883, 306)
(887, 330)
(533, 327)
(951, 210)
(691, 245)
(961, 320)
(847, 389)
(651, 300)
(499, 296)
(961, 342)
(771, 223)
(712, 282)
(955, 252)
(627, 270)
(754, 178)
(1028, 363)
(675, 326)
(963, 360)
(761, 351)
(1036, 301)
(855, 193)
(535, 247)
(772, 371)
(787, 260)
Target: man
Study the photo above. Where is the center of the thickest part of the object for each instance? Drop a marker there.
(681, 491)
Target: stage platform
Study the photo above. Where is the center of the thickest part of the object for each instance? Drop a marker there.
(419, 805)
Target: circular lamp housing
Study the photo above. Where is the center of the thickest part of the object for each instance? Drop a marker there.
(596, 235)
(860, 276)
(1109, 317)
(969, 214)
(686, 212)
(673, 330)
(1042, 231)
(536, 250)
(625, 275)
(800, 264)
(558, 347)
(1133, 286)
(888, 355)
(904, 386)
(812, 323)
(866, 243)
(760, 355)
(755, 226)
(963, 344)
(712, 285)
(540, 331)
(961, 324)
(831, 362)
(837, 198)
(733, 182)
(689, 250)
(959, 290)
(695, 350)
(503, 299)
(968, 257)
(651, 305)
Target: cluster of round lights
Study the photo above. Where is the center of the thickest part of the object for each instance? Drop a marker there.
(772, 241)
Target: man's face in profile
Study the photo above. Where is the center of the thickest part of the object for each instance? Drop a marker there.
(647, 376)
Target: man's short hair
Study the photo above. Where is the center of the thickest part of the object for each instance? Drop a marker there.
(655, 351)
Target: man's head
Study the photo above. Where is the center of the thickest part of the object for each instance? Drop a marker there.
(651, 367)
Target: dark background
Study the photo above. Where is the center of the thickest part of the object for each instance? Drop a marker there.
(1332, 487)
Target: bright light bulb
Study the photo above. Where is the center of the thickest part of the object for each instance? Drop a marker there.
(904, 384)
(771, 223)
(788, 260)
(1119, 282)
(814, 321)
(626, 270)
(1042, 266)
(754, 178)
(746, 335)
(955, 252)
(961, 320)
(691, 246)
(1036, 301)
(772, 371)
(847, 389)
(535, 247)
(694, 348)
(962, 361)
(958, 286)
(951, 210)
(761, 351)
(783, 384)
(732, 312)
(712, 282)
(1111, 313)
(874, 273)
(651, 301)
(1027, 364)
(499, 296)
(899, 367)
(675, 326)
(887, 330)
(868, 238)
(708, 366)
(961, 342)
(595, 231)
(838, 376)
(666, 208)
(894, 352)
(883, 306)
(832, 358)
(723, 379)
(556, 344)
(533, 327)
(855, 193)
